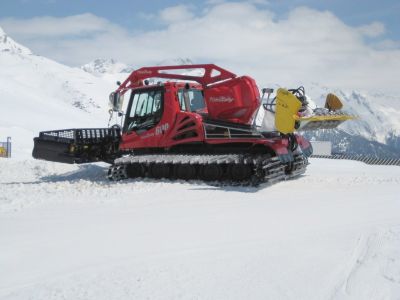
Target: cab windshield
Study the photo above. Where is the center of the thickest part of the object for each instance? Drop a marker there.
(145, 110)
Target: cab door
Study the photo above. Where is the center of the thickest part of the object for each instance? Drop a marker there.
(144, 113)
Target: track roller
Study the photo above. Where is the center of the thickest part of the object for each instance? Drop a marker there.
(185, 171)
(160, 171)
(134, 170)
(211, 172)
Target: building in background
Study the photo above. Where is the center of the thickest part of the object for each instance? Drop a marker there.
(5, 148)
(322, 147)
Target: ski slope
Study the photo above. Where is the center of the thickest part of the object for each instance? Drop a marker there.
(68, 233)
(38, 94)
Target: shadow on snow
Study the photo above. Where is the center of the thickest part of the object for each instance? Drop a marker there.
(98, 174)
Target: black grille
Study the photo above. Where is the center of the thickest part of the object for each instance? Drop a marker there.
(81, 135)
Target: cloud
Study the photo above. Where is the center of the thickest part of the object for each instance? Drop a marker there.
(177, 13)
(374, 29)
(303, 45)
(40, 27)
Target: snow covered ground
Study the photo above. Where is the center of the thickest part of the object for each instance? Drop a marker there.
(68, 233)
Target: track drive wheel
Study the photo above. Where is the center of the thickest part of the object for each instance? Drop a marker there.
(239, 172)
(211, 172)
(289, 168)
(159, 171)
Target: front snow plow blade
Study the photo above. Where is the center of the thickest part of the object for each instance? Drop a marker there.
(292, 115)
(322, 119)
(77, 145)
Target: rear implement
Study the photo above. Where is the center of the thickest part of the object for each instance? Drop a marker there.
(82, 145)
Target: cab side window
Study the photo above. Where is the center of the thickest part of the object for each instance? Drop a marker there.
(145, 110)
(195, 100)
(182, 104)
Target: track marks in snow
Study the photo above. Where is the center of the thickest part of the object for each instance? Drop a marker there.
(31, 183)
(373, 271)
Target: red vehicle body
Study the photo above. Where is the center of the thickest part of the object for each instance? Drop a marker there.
(229, 101)
(197, 126)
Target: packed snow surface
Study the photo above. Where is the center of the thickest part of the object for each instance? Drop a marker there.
(68, 233)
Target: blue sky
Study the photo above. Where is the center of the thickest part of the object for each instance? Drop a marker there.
(129, 13)
(341, 43)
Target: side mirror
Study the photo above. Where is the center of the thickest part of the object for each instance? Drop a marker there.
(116, 101)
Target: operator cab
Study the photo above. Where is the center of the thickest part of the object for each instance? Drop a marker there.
(146, 104)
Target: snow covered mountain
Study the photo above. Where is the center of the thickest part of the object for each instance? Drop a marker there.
(379, 113)
(175, 61)
(101, 66)
(376, 132)
(8, 45)
(39, 94)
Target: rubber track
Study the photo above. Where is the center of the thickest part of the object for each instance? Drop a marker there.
(265, 169)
